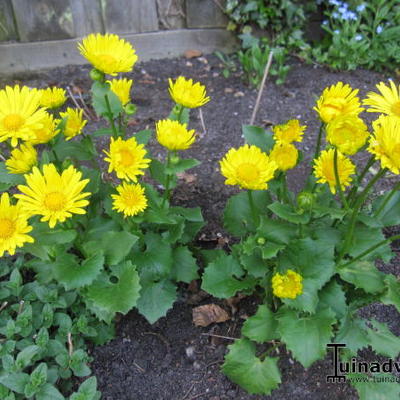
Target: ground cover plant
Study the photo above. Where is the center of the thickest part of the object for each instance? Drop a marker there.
(311, 257)
(85, 242)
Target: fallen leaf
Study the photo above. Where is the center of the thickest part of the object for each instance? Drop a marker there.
(188, 178)
(193, 53)
(238, 94)
(209, 314)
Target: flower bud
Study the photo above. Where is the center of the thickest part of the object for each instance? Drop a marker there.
(130, 109)
(305, 200)
(96, 75)
(174, 160)
(66, 163)
(261, 241)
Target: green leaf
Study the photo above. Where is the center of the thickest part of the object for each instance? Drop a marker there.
(306, 337)
(376, 388)
(220, 278)
(68, 149)
(390, 214)
(383, 341)
(143, 136)
(9, 179)
(332, 296)
(271, 249)
(363, 275)
(314, 261)
(15, 382)
(392, 293)
(24, 358)
(253, 263)
(276, 230)
(94, 176)
(72, 274)
(116, 297)
(287, 213)
(156, 298)
(49, 392)
(102, 132)
(261, 327)
(238, 219)
(87, 390)
(45, 235)
(158, 173)
(99, 91)
(352, 333)
(259, 137)
(243, 367)
(115, 246)
(182, 165)
(184, 267)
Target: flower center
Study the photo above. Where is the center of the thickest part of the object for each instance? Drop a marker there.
(131, 199)
(396, 108)
(106, 59)
(248, 172)
(127, 158)
(54, 201)
(7, 228)
(13, 122)
(332, 109)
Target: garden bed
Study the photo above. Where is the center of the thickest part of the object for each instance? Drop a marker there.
(172, 359)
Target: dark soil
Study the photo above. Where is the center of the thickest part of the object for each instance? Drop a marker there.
(172, 359)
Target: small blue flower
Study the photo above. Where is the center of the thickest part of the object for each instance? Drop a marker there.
(352, 15)
(358, 37)
(335, 2)
(335, 15)
(361, 7)
(343, 9)
(379, 29)
(325, 22)
(336, 31)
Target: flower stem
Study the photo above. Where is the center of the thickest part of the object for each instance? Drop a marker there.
(166, 195)
(390, 195)
(252, 208)
(337, 180)
(110, 117)
(319, 140)
(371, 249)
(359, 202)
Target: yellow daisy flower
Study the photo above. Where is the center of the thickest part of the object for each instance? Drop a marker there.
(338, 100)
(74, 122)
(122, 89)
(290, 132)
(325, 172)
(20, 114)
(126, 158)
(173, 135)
(288, 285)
(385, 142)
(388, 102)
(248, 167)
(54, 196)
(348, 133)
(13, 226)
(22, 159)
(53, 97)
(46, 132)
(285, 156)
(188, 94)
(108, 53)
(130, 200)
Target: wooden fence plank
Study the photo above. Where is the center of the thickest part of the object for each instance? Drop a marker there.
(87, 17)
(130, 16)
(171, 14)
(7, 26)
(205, 14)
(43, 19)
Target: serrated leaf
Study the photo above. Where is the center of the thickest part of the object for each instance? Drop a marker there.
(15, 382)
(261, 327)
(260, 137)
(243, 367)
(352, 332)
(9, 179)
(182, 165)
(87, 390)
(332, 295)
(276, 230)
(143, 137)
(120, 296)
(156, 298)
(271, 249)
(392, 293)
(69, 149)
(369, 389)
(382, 340)
(306, 337)
(184, 267)
(363, 275)
(390, 214)
(99, 92)
(220, 277)
(72, 274)
(253, 263)
(49, 392)
(45, 235)
(286, 212)
(238, 218)
(24, 358)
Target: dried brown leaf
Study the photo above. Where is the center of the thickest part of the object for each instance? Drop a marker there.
(209, 314)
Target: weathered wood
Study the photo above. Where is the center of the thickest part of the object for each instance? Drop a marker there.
(87, 17)
(171, 14)
(130, 16)
(7, 26)
(43, 19)
(205, 14)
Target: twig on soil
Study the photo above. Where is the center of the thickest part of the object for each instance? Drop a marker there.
(260, 91)
(92, 115)
(70, 345)
(203, 125)
(198, 395)
(219, 336)
(161, 337)
(188, 392)
(139, 367)
(71, 95)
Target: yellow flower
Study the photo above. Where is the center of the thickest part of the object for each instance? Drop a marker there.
(108, 53)
(174, 135)
(338, 100)
(348, 133)
(54, 196)
(388, 102)
(121, 88)
(131, 199)
(248, 167)
(285, 156)
(324, 169)
(288, 285)
(385, 142)
(188, 94)
(126, 158)
(20, 114)
(13, 226)
(53, 97)
(290, 132)
(74, 122)
(47, 131)
(22, 159)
